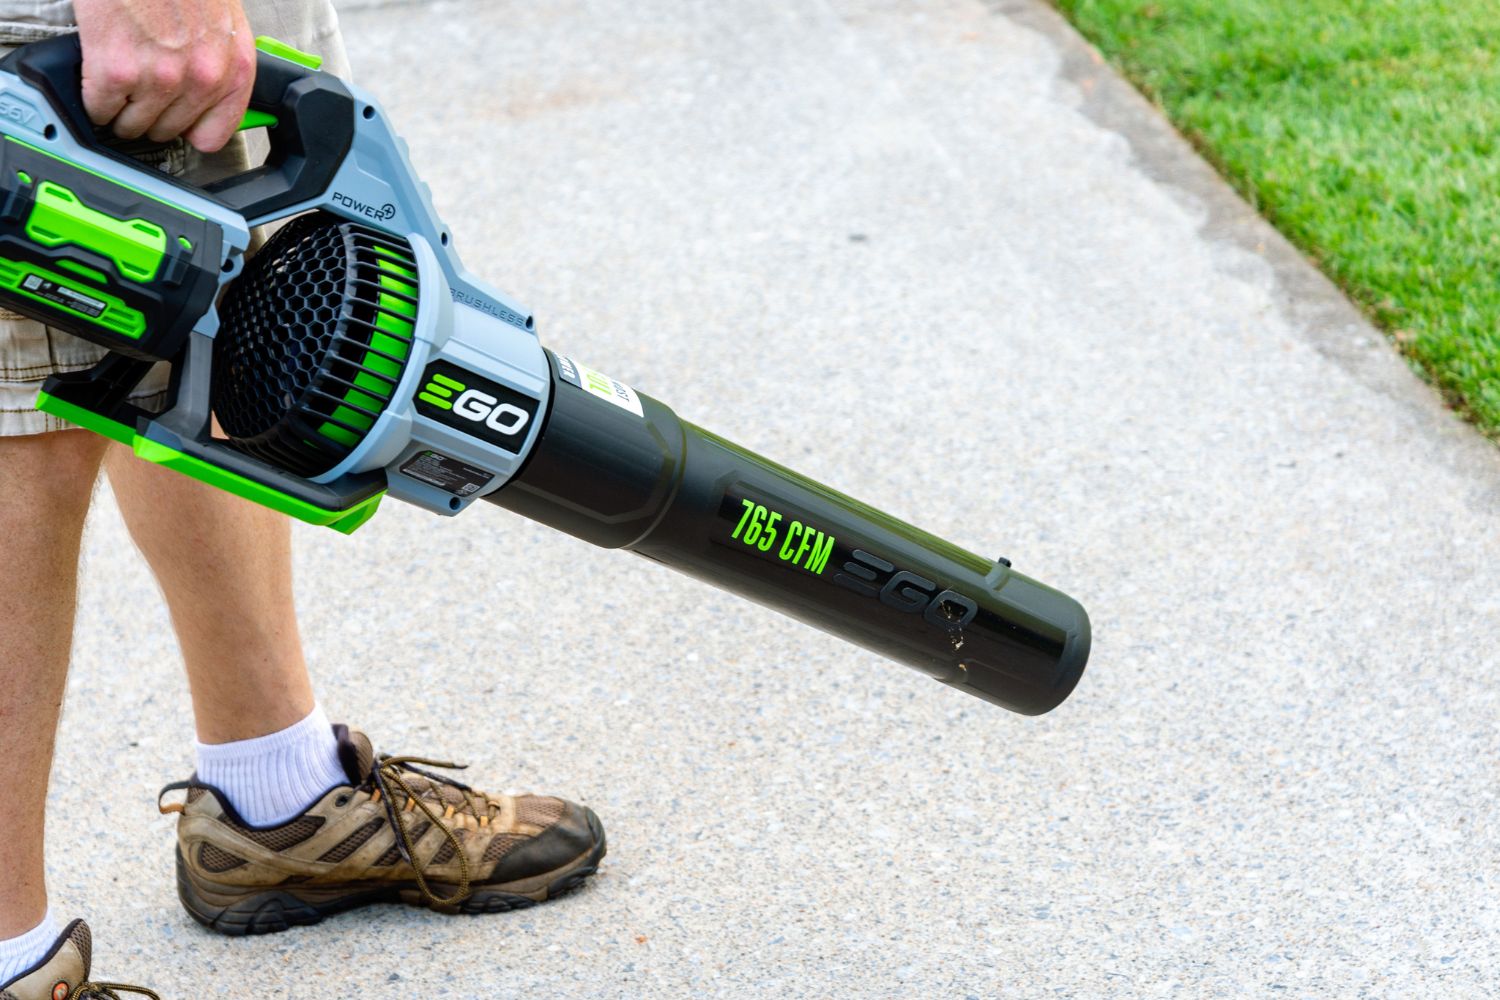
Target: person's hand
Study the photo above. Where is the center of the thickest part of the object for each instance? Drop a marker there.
(167, 68)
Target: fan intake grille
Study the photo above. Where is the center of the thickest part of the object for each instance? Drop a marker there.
(313, 340)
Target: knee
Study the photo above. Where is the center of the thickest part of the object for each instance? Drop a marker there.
(50, 476)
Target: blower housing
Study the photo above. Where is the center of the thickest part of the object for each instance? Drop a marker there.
(355, 358)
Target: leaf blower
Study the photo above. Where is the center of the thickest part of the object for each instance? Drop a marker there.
(354, 358)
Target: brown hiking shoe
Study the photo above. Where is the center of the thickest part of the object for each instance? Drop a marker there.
(395, 834)
(64, 973)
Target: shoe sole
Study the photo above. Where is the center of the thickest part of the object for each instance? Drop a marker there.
(237, 912)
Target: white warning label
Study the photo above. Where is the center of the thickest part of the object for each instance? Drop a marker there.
(600, 385)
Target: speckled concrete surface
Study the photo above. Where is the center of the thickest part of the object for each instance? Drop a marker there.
(879, 241)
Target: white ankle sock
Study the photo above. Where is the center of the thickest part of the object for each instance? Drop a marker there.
(18, 954)
(272, 779)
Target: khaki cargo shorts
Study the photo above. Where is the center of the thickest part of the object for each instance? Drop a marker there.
(29, 351)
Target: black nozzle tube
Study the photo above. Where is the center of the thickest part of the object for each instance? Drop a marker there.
(688, 499)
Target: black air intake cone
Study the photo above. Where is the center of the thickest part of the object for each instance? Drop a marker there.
(313, 339)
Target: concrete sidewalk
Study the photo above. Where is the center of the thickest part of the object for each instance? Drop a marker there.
(903, 248)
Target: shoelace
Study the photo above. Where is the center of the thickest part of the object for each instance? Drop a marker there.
(387, 772)
(85, 990)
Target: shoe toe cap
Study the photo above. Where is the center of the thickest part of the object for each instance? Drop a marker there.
(577, 832)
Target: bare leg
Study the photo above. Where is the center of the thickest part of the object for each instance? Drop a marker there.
(225, 567)
(46, 482)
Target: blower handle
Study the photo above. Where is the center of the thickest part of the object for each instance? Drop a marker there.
(313, 127)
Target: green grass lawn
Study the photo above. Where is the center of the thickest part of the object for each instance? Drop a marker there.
(1366, 130)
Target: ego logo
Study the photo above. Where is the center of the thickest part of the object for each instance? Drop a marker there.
(905, 591)
(380, 213)
(475, 405)
(472, 404)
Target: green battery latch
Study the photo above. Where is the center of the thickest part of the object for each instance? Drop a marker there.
(59, 217)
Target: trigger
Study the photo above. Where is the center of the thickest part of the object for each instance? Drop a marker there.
(257, 119)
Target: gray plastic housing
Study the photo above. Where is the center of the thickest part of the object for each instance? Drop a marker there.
(459, 318)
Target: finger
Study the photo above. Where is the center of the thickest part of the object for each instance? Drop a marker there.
(218, 124)
(141, 110)
(179, 116)
(106, 86)
(209, 78)
(162, 81)
(216, 127)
